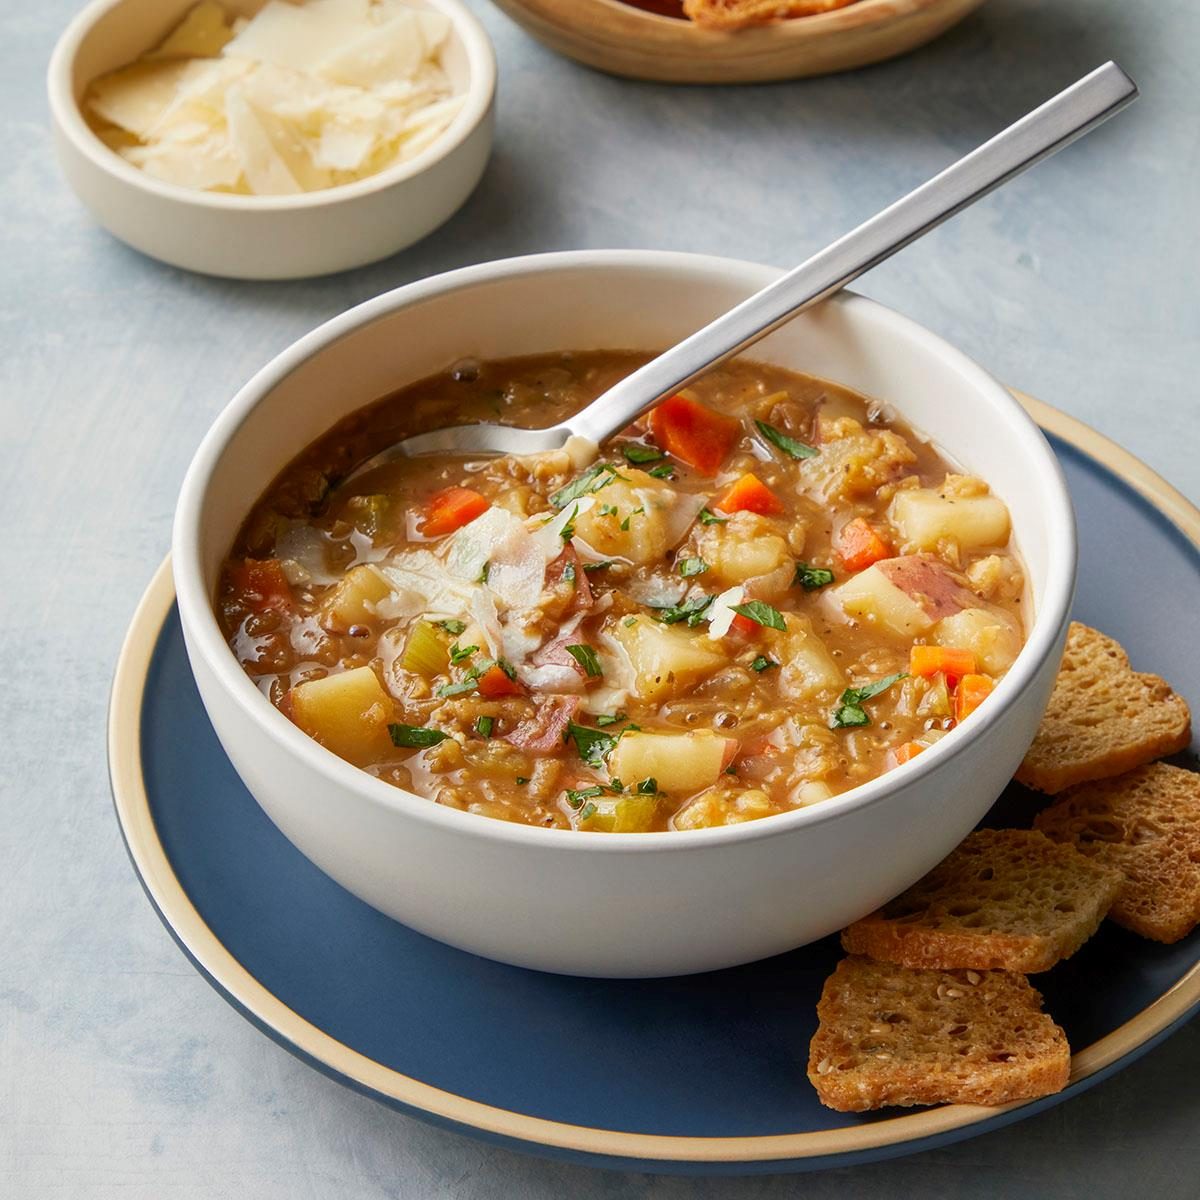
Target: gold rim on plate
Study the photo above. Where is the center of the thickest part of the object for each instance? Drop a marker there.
(201, 943)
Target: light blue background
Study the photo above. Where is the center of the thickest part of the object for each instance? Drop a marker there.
(121, 1073)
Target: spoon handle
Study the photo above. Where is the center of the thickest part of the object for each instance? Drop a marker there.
(1041, 133)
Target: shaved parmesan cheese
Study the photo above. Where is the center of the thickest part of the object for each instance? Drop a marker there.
(422, 573)
(720, 616)
(301, 97)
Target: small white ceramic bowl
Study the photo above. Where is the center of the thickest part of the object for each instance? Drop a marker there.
(617, 904)
(263, 237)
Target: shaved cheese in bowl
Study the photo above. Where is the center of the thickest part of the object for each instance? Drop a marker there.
(300, 98)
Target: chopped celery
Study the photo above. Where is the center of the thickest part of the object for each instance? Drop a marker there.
(622, 814)
(368, 513)
(425, 651)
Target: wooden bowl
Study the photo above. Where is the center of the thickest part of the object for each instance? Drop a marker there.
(622, 40)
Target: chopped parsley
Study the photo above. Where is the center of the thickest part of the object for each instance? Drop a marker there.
(789, 445)
(692, 566)
(593, 745)
(452, 627)
(850, 713)
(568, 573)
(587, 658)
(461, 653)
(567, 531)
(692, 611)
(811, 578)
(600, 566)
(415, 736)
(483, 575)
(504, 665)
(708, 517)
(648, 787)
(575, 798)
(589, 811)
(609, 719)
(484, 726)
(461, 688)
(598, 475)
(641, 508)
(665, 471)
(607, 510)
(761, 613)
(636, 453)
(763, 663)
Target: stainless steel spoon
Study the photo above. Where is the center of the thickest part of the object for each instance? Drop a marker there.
(1034, 137)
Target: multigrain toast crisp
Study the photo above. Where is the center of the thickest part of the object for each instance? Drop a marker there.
(1146, 824)
(736, 14)
(889, 1035)
(1104, 718)
(1005, 898)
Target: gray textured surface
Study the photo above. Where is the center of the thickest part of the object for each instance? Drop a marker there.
(121, 1073)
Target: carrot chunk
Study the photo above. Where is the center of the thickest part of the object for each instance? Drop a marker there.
(693, 433)
(858, 546)
(971, 692)
(749, 494)
(909, 750)
(451, 509)
(261, 584)
(929, 660)
(495, 682)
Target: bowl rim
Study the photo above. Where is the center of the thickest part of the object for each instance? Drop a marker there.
(68, 118)
(206, 639)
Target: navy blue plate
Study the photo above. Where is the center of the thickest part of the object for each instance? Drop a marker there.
(702, 1074)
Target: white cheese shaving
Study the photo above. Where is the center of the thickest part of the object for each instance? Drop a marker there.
(721, 614)
(299, 98)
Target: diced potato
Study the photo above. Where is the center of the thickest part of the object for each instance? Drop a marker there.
(353, 600)
(870, 596)
(991, 636)
(347, 713)
(666, 659)
(724, 806)
(642, 504)
(742, 549)
(807, 669)
(679, 762)
(925, 517)
(812, 791)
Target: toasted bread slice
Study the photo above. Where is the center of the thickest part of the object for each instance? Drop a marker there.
(1006, 898)
(892, 1036)
(1104, 718)
(1147, 825)
(734, 14)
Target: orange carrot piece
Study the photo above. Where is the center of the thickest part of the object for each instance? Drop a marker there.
(858, 546)
(971, 692)
(749, 494)
(451, 509)
(929, 660)
(261, 584)
(908, 751)
(693, 433)
(495, 682)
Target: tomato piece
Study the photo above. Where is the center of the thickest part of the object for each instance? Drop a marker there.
(749, 494)
(261, 584)
(929, 660)
(496, 682)
(971, 692)
(451, 509)
(743, 626)
(693, 433)
(859, 546)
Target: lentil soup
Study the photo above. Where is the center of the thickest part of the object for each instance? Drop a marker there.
(766, 592)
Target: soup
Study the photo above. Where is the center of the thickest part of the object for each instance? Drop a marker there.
(767, 591)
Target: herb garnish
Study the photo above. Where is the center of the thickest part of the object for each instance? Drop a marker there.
(763, 663)
(692, 611)
(567, 530)
(597, 476)
(648, 787)
(415, 736)
(811, 578)
(598, 566)
(641, 508)
(484, 726)
(692, 566)
(708, 517)
(666, 471)
(575, 798)
(461, 688)
(761, 613)
(850, 713)
(637, 453)
(452, 627)
(461, 653)
(789, 445)
(609, 718)
(593, 745)
(587, 658)
(607, 510)
(568, 573)
(589, 811)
